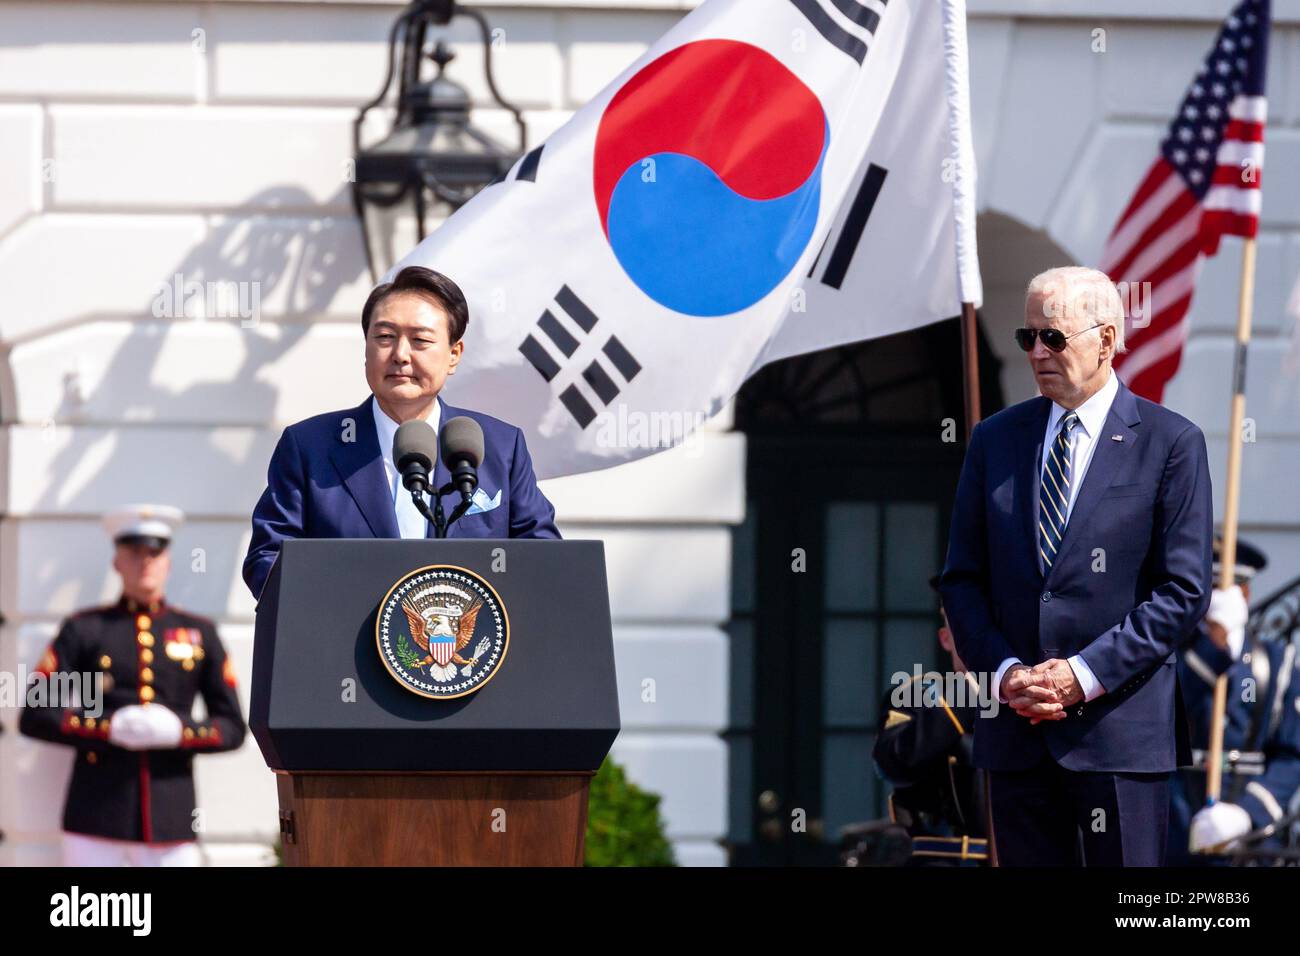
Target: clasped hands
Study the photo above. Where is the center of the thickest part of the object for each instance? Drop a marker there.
(1041, 692)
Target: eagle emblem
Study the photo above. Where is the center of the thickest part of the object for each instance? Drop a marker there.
(442, 631)
(434, 633)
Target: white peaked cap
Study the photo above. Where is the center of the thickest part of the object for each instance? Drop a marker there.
(143, 521)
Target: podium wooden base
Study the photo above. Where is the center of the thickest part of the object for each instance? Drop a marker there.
(432, 819)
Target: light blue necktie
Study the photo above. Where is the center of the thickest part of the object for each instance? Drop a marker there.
(410, 523)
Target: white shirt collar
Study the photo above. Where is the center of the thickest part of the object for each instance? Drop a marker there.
(387, 428)
(1092, 413)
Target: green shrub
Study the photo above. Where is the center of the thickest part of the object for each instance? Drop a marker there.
(623, 823)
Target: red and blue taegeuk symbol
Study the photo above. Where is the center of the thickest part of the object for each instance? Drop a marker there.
(737, 143)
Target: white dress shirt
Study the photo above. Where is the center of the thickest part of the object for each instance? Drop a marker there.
(410, 523)
(1092, 417)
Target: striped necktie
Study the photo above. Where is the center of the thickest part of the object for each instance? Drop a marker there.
(1054, 492)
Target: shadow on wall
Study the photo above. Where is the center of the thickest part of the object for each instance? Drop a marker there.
(1011, 254)
(301, 264)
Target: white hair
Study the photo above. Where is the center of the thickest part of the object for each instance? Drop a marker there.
(1082, 294)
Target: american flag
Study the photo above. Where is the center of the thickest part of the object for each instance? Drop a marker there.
(1203, 185)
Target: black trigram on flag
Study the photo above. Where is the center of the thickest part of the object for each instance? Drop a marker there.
(601, 374)
(863, 14)
(527, 168)
(855, 224)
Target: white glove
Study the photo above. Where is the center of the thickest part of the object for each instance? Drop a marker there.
(1221, 823)
(1228, 609)
(145, 727)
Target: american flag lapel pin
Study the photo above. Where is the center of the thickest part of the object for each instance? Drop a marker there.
(1116, 437)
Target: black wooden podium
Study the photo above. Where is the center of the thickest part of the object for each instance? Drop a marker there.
(370, 772)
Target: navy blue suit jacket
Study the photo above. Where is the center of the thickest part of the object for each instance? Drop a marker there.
(322, 485)
(1145, 509)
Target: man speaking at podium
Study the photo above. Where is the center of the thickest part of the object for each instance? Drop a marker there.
(333, 476)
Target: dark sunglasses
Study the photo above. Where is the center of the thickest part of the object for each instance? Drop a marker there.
(1054, 339)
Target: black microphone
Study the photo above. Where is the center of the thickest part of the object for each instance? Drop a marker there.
(462, 449)
(415, 452)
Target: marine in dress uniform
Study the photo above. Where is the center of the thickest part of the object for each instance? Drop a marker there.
(131, 796)
(924, 749)
(1261, 737)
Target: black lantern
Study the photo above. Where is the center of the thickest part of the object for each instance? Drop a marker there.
(432, 158)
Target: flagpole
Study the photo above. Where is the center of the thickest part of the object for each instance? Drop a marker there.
(962, 159)
(1228, 547)
(970, 367)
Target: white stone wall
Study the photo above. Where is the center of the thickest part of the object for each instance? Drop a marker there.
(143, 140)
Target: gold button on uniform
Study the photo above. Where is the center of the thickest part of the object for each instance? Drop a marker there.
(146, 656)
(90, 723)
(143, 622)
(74, 721)
(92, 757)
(187, 664)
(146, 675)
(146, 694)
(105, 662)
(145, 639)
(188, 733)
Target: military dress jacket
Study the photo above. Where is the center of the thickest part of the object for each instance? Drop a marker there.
(158, 655)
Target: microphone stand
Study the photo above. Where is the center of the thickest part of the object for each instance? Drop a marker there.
(460, 509)
(457, 512)
(463, 476)
(436, 516)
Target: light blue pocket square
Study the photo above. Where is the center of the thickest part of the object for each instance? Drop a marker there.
(481, 503)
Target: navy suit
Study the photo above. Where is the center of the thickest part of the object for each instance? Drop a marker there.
(1144, 514)
(327, 480)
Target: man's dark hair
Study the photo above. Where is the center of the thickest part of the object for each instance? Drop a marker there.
(432, 285)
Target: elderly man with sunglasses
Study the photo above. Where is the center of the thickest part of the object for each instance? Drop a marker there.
(1078, 563)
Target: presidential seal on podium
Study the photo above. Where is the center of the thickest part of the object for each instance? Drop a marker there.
(442, 632)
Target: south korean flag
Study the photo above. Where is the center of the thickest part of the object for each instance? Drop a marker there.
(771, 177)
